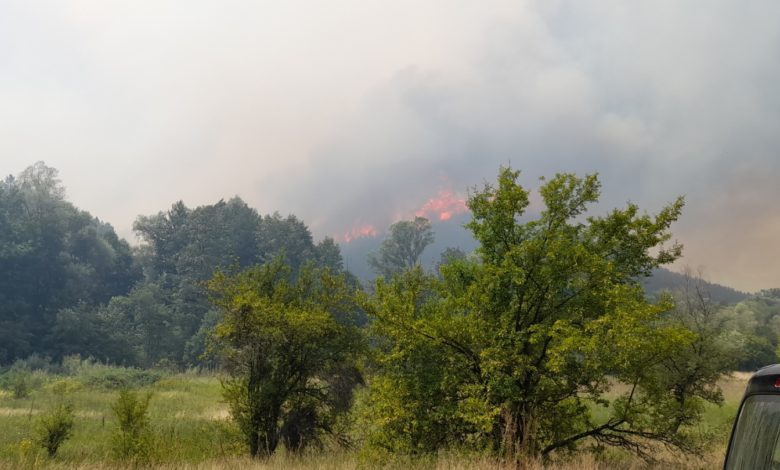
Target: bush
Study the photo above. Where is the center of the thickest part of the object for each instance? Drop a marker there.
(54, 428)
(36, 363)
(21, 382)
(19, 385)
(95, 375)
(133, 439)
(115, 378)
(64, 385)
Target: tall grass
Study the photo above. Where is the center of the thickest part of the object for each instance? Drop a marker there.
(192, 430)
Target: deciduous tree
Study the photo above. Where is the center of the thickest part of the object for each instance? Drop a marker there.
(512, 351)
(402, 249)
(289, 346)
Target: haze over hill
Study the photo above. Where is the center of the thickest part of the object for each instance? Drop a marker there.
(450, 233)
(352, 113)
(397, 233)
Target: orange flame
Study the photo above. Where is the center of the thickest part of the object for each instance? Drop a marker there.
(443, 206)
(358, 231)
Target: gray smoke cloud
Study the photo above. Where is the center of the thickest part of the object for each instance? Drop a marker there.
(354, 113)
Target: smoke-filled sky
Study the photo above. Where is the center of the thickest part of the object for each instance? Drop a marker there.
(354, 113)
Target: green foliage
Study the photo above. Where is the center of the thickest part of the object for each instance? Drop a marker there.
(692, 373)
(54, 257)
(69, 285)
(120, 378)
(152, 326)
(133, 438)
(755, 325)
(290, 349)
(287, 237)
(402, 249)
(95, 375)
(170, 313)
(756, 351)
(508, 352)
(65, 385)
(54, 428)
(192, 429)
(20, 385)
(95, 331)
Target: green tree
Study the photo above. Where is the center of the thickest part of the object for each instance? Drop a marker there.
(402, 249)
(755, 325)
(287, 342)
(511, 351)
(150, 323)
(692, 374)
(133, 439)
(285, 236)
(53, 257)
(450, 255)
(184, 247)
(54, 428)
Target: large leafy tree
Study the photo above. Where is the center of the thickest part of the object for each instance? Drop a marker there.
(512, 351)
(755, 325)
(184, 247)
(402, 249)
(692, 374)
(290, 346)
(53, 257)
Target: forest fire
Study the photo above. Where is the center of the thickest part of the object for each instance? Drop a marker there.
(359, 231)
(443, 206)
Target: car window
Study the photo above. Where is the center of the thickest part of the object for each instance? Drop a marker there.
(756, 441)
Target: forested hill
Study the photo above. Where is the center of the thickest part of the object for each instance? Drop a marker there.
(69, 285)
(452, 234)
(665, 280)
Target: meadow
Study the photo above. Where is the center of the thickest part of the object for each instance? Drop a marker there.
(191, 427)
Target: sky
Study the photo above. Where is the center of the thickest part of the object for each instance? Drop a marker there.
(353, 114)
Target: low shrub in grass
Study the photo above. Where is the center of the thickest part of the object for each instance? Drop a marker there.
(132, 440)
(54, 428)
(37, 363)
(118, 378)
(20, 386)
(63, 386)
(95, 375)
(20, 383)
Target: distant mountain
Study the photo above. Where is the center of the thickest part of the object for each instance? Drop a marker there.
(665, 280)
(451, 233)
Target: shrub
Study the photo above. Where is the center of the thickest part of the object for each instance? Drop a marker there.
(63, 386)
(118, 378)
(95, 375)
(21, 382)
(36, 363)
(20, 386)
(54, 428)
(133, 439)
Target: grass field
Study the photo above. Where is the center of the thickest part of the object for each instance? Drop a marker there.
(192, 429)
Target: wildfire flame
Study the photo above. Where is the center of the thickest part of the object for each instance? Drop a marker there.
(358, 231)
(443, 206)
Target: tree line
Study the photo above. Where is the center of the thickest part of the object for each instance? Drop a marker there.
(541, 341)
(70, 285)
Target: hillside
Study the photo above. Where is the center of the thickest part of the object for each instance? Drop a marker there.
(663, 279)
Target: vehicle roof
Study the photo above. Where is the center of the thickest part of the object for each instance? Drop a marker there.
(774, 369)
(764, 381)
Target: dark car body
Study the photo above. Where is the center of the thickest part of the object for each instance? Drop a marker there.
(755, 437)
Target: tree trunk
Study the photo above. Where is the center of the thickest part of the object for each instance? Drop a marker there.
(254, 444)
(519, 433)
